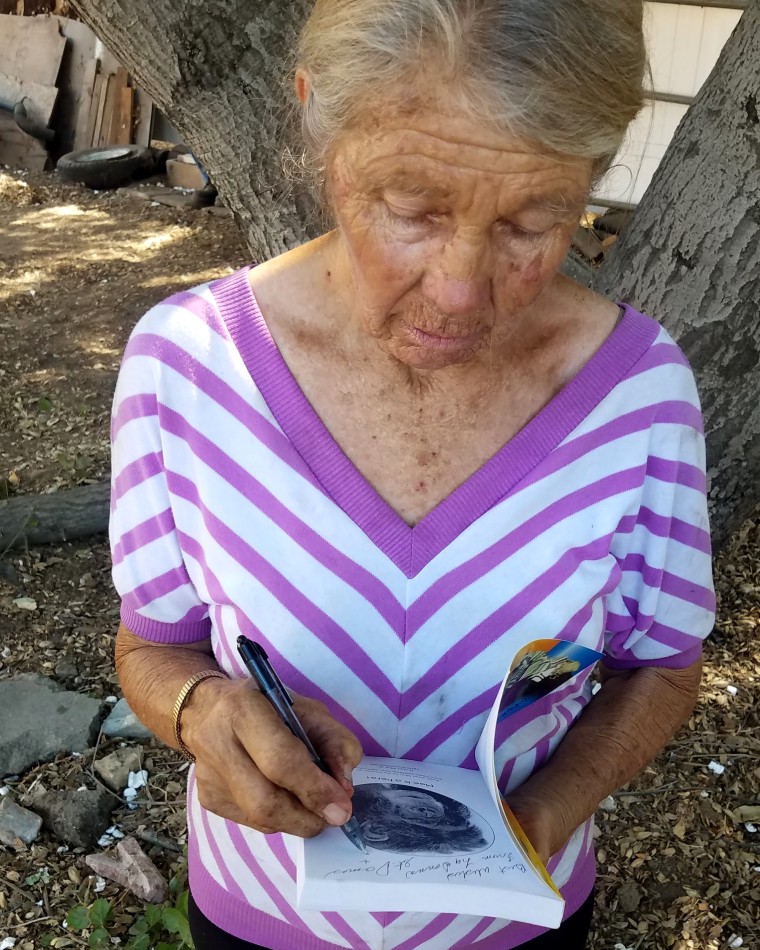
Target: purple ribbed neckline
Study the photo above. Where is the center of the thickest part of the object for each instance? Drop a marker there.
(412, 547)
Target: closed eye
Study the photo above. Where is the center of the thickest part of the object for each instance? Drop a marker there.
(410, 217)
(514, 230)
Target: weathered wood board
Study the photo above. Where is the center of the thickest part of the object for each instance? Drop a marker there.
(84, 108)
(31, 48)
(143, 120)
(103, 95)
(92, 115)
(105, 135)
(124, 131)
(18, 149)
(40, 100)
(112, 120)
(75, 82)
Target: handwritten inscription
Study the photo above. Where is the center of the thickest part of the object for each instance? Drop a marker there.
(455, 869)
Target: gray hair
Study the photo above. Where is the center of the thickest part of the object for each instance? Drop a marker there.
(566, 74)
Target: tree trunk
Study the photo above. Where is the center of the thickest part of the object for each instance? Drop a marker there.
(61, 516)
(691, 258)
(218, 71)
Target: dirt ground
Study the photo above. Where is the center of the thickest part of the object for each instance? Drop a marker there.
(679, 867)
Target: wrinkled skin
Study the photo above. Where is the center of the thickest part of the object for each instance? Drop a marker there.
(450, 233)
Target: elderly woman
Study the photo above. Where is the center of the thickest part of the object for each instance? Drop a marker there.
(405, 449)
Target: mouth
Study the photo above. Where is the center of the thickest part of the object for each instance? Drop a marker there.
(448, 341)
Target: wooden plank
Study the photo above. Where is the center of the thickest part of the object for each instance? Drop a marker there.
(143, 117)
(101, 110)
(124, 132)
(92, 116)
(40, 100)
(18, 149)
(31, 48)
(112, 98)
(75, 83)
(85, 105)
(113, 128)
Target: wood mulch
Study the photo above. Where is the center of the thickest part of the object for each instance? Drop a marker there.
(679, 853)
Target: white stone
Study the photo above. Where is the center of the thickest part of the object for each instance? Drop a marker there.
(137, 779)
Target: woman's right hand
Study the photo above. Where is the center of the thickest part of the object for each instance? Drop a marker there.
(252, 770)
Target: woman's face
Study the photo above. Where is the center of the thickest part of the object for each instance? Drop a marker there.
(450, 231)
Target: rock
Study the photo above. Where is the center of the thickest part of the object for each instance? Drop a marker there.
(114, 769)
(65, 669)
(129, 866)
(123, 722)
(17, 823)
(40, 719)
(629, 897)
(8, 573)
(77, 818)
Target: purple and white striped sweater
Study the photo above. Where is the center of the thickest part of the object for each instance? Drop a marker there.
(234, 511)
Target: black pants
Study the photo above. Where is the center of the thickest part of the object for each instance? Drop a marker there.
(572, 935)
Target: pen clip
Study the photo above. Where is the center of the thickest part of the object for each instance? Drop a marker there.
(278, 683)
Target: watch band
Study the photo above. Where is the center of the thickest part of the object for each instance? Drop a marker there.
(184, 695)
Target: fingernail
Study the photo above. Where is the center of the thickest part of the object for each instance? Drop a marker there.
(335, 815)
(348, 775)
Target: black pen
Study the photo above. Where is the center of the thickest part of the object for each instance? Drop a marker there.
(258, 665)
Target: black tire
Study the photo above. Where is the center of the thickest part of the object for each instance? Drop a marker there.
(108, 167)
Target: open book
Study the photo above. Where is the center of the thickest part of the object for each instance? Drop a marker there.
(442, 838)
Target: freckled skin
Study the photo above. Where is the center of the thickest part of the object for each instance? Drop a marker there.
(431, 325)
(444, 230)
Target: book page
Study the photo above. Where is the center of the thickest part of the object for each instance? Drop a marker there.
(421, 823)
(537, 669)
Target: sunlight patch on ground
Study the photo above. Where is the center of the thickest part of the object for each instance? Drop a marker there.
(70, 211)
(190, 277)
(46, 218)
(99, 236)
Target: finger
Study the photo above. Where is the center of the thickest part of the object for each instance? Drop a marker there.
(242, 794)
(285, 762)
(336, 744)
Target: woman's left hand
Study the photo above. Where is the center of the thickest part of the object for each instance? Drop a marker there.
(611, 742)
(541, 820)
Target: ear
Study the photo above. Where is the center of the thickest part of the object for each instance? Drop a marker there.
(303, 85)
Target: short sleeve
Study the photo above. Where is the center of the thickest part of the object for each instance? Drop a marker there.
(158, 599)
(664, 604)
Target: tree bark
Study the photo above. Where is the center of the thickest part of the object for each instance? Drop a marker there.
(691, 258)
(62, 516)
(219, 72)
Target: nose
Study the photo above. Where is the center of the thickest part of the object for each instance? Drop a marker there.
(458, 280)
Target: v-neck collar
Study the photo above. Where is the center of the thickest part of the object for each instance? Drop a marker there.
(412, 547)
